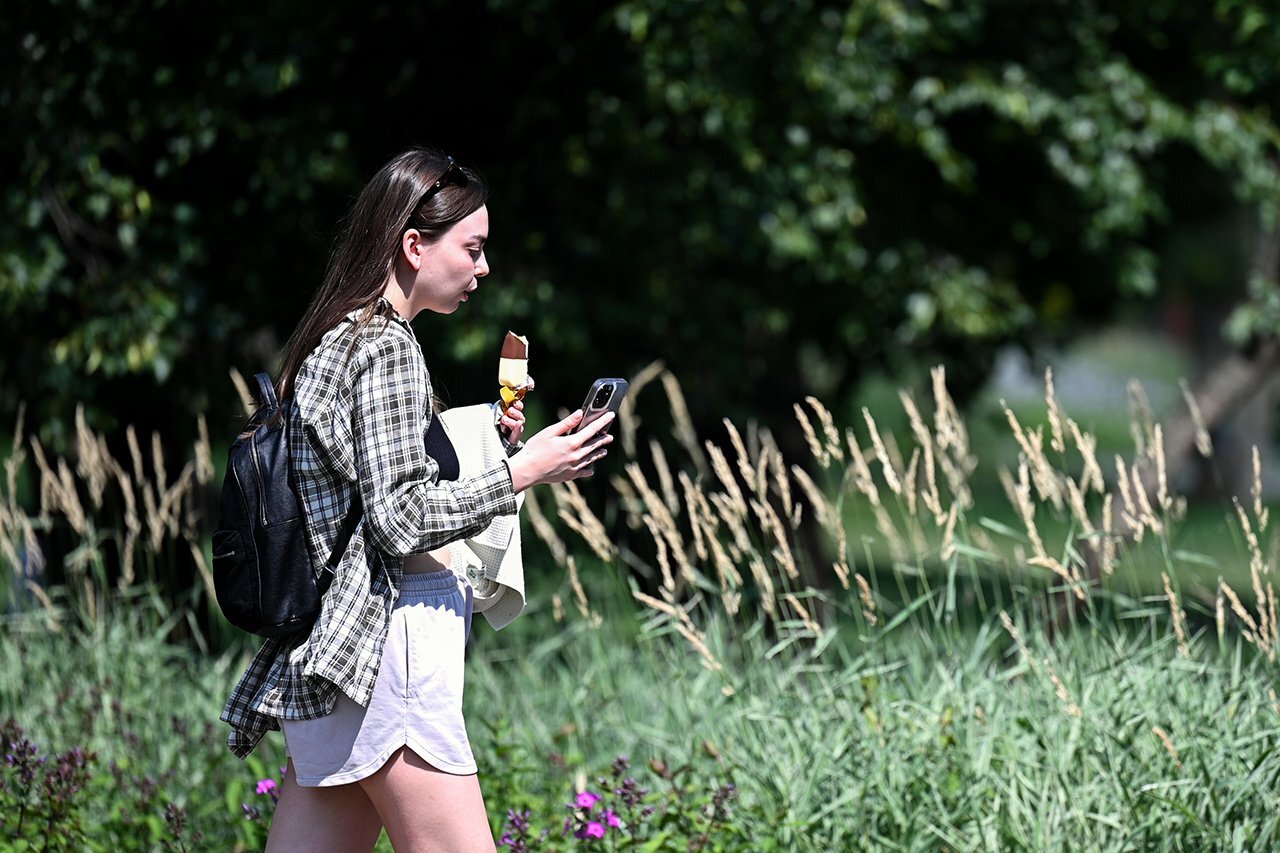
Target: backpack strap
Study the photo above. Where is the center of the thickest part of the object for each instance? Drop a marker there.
(267, 393)
(340, 543)
(266, 390)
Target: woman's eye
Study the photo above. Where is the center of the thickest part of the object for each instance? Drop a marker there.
(476, 253)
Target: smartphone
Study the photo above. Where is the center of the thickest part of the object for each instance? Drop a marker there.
(605, 396)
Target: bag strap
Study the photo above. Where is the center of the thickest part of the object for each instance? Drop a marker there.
(266, 390)
(267, 393)
(340, 543)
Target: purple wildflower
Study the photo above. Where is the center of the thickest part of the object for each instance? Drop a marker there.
(175, 816)
(586, 799)
(611, 818)
(266, 786)
(595, 829)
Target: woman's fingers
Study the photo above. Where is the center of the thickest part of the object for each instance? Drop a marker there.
(595, 447)
(599, 423)
(514, 415)
(565, 424)
(554, 455)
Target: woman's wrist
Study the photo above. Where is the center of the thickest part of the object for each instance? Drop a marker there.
(521, 477)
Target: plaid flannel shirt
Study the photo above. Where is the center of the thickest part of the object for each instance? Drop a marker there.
(359, 417)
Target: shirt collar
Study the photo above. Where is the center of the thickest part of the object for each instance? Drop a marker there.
(385, 308)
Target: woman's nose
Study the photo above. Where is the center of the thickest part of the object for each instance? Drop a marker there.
(482, 266)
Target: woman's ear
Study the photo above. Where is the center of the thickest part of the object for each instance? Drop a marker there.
(412, 248)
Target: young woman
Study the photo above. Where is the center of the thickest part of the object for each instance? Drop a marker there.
(370, 699)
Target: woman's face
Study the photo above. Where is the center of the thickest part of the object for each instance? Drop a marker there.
(448, 270)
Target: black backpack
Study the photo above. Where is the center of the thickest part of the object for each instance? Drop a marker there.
(262, 572)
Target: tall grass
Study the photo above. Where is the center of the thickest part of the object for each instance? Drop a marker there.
(872, 518)
(930, 676)
(870, 655)
(129, 523)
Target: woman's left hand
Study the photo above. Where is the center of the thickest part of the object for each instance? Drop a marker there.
(512, 423)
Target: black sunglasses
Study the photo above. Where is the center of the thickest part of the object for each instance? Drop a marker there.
(450, 169)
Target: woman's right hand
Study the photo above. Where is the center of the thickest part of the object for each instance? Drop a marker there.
(554, 456)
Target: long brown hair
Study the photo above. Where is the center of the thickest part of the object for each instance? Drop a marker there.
(390, 204)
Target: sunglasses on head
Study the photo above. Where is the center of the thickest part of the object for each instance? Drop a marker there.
(449, 170)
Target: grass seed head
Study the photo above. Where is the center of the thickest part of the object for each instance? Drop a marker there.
(1087, 444)
(949, 533)
(1109, 539)
(1259, 511)
(1167, 742)
(810, 625)
(1162, 475)
(1219, 612)
(929, 496)
(829, 431)
(1141, 418)
(628, 420)
(665, 480)
(694, 507)
(948, 425)
(842, 572)
(861, 471)
(1204, 443)
(745, 468)
(1060, 689)
(545, 530)
(1179, 619)
(1055, 415)
(574, 512)
(868, 600)
(882, 454)
(580, 594)
(811, 438)
(685, 433)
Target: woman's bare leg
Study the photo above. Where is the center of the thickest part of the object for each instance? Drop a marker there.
(425, 809)
(338, 819)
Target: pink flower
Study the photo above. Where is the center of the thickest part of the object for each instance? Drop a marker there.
(611, 818)
(266, 786)
(595, 829)
(586, 800)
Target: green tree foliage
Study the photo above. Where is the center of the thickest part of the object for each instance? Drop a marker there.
(877, 183)
(773, 196)
(153, 142)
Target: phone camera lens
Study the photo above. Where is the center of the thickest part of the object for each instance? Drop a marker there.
(602, 396)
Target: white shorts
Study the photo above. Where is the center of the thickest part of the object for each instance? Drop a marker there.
(416, 702)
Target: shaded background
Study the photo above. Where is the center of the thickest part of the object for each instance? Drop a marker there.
(775, 198)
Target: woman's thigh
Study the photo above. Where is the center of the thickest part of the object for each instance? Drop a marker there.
(340, 818)
(426, 809)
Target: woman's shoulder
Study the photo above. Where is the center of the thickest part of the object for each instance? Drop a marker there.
(351, 348)
(387, 347)
(358, 344)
